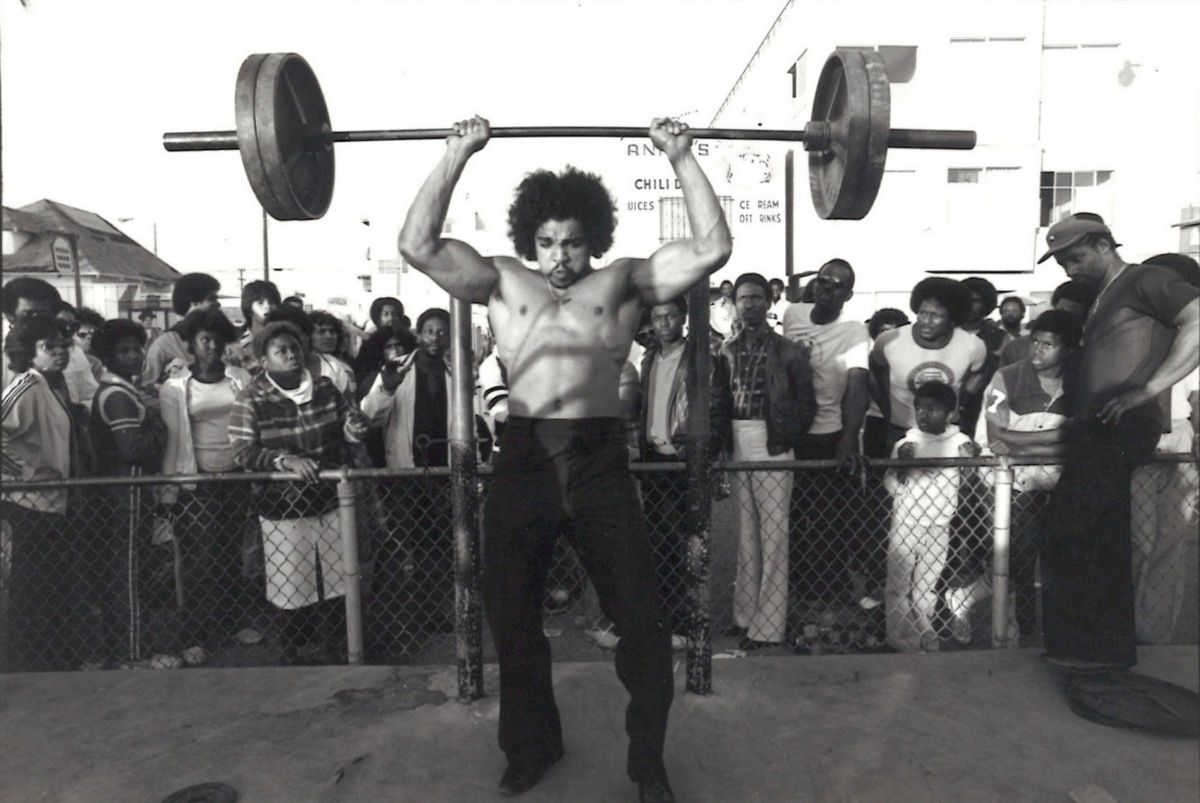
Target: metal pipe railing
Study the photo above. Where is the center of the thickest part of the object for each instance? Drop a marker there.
(348, 516)
(1002, 523)
(468, 608)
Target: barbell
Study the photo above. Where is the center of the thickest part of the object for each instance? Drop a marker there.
(286, 142)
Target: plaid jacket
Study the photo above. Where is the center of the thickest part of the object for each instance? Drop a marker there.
(265, 425)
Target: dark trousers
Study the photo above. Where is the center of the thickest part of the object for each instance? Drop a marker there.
(664, 496)
(1087, 578)
(549, 471)
(875, 438)
(824, 542)
(208, 527)
(46, 599)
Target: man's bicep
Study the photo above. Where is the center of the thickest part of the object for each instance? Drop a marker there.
(670, 271)
(462, 272)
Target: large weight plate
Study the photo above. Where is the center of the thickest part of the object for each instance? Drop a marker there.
(282, 121)
(854, 98)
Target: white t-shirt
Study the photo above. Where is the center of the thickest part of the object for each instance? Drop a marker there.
(209, 405)
(1181, 407)
(340, 373)
(833, 349)
(911, 366)
(721, 315)
(775, 314)
(80, 378)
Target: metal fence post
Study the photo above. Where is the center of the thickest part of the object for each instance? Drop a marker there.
(1002, 521)
(348, 510)
(699, 494)
(468, 624)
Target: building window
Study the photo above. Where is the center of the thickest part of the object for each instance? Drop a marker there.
(799, 73)
(1065, 192)
(673, 220)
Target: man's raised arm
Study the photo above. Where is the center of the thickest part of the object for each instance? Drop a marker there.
(455, 266)
(679, 264)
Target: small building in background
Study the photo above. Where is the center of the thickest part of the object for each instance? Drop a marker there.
(90, 261)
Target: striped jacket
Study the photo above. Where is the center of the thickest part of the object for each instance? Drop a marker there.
(265, 426)
(38, 433)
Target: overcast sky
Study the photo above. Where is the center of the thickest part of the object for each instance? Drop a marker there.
(89, 87)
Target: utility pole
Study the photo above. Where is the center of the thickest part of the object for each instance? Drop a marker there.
(241, 278)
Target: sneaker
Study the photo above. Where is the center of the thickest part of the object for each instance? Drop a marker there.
(558, 600)
(678, 642)
(960, 615)
(248, 635)
(603, 637)
(166, 661)
(194, 656)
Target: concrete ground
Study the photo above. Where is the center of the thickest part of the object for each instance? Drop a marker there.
(965, 726)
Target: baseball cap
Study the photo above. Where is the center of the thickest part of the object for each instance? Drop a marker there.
(1070, 231)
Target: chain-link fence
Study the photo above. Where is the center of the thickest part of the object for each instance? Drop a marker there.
(254, 570)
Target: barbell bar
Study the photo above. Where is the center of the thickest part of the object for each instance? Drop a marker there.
(917, 138)
(286, 141)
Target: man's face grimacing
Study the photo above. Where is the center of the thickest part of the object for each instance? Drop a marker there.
(1085, 262)
(562, 251)
(932, 416)
(933, 320)
(667, 320)
(1047, 350)
(751, 303)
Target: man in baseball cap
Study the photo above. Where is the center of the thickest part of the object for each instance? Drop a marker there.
(1073, 230)
(1142, 336)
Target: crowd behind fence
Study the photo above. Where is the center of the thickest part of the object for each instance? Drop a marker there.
(166, 571)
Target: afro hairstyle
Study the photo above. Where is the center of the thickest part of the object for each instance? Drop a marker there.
(948, 292)
(1061, 323)
(984, 289)
(569, 195)
(206, 320)
(112, 332)
(21, 344)
(191, 288)
(31, 288)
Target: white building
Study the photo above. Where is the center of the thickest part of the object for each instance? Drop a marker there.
(105, 270)
(1079, 106)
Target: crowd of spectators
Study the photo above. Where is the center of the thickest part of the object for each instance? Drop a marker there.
(295, 391)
